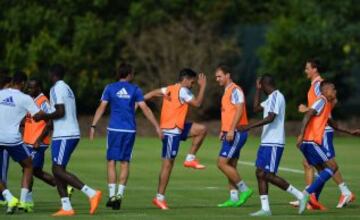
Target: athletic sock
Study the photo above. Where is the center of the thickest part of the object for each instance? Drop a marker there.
(242, 186)
(295, 192)
(344, 189)
(121, 190)
(23, 194)
(29, 197)
(234, 195)
(160, 197)
(319, 190)
(88, 191)
(7, 195)
(265, 202)
(66, 204)
(190, 157)
(324, 176)
(112, 188)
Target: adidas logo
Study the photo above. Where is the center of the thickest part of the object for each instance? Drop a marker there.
(122, 93)
(8, 101)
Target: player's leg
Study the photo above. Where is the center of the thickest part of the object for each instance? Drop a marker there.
(198, 133)
(111, 180)
(38, 165)
(4, 166)
(263, 187)
(12, 202)
(233, 189)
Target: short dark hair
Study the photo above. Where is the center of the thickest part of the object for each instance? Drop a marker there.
(124, 70)
(187, 73)
(325, 83)
(58, 70)
(268, 79)
(4, 77)
(19, 77)
(315, 63)
(225, 68)
(38, 82)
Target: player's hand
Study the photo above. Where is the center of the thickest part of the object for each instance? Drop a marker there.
(299, 141)
(355, 132)
(302, 108)
(159, 133)
(230, 135)
(258, 84)
(167, 96)
(243, 128)
(221, 136)
(202, 80)
(92, 133)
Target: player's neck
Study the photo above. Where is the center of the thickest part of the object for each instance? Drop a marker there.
(229, 82)
(315, 76)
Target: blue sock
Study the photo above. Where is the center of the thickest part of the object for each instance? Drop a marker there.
(318, 191)
(324, 176)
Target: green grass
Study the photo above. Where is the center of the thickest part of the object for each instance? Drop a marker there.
(191, 194)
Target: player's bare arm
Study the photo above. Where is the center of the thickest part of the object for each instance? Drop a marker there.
(150, 116)
(309, 114)
(98, 114)
(256, 106)
(200, 97)
(153, 94)
(47, 130)
(58, 113)
(334, 124)
(239, 111)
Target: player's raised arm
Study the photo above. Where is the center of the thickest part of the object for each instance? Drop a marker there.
(150, 116)
(309, 114)
(334, 124)
(98, 114)
(196, 102)
(257, 105)
(155, 93)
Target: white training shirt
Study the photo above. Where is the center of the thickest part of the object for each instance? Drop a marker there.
(67, 126)
(14, 105)
(185, 95)
(273, 134)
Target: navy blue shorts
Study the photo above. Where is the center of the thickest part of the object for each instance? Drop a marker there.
(328, 143)
(17, 152)
(61, 150)
(232, 149)
(4, 165)
(314, 153)
(120, 145)
(171, 142)
(38, 156)
(268, 158)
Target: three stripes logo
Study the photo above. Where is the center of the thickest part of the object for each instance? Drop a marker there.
(8, 101)
(122, 93)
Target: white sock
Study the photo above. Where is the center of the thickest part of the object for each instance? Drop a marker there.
(190, 157)
(295, 192)
(23, 194)
(265, 202)
(242, 186)
(344, 189)
(234, 195)
(112, 188)
(160, 197)
(7, 195)
(66, 204)
(121, 190)
(88, 191)
(29, 197)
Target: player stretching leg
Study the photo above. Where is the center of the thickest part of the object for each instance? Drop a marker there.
(311, 138)
(66, 136)
(176, 101)
(122, 97)
(233, 116)
(272, 142)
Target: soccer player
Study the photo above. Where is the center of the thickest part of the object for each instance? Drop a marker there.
(176, 100)
(5, 81)
(312, 72)
(311, 139)
(122, 96)
(14, 105)
(233, 116)
(272, 142)
(37, 139)
(66, 135)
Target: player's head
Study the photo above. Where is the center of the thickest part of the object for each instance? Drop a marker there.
(312, 68)
(34, 87)
(267, 83)
(5, 79)
(56, 72)
(223, 74)
(328, 90)
(125, 72)
(19, 80)
(187, 77)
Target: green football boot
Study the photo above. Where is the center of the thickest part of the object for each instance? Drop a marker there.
(227, 204)
(244, 196)
(12, 205)
(26, 206)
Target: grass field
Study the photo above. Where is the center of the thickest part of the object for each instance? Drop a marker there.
(191, 194)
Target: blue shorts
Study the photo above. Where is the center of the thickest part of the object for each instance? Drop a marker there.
(232, 149)
(120, 145)
(4, 165)
(61, 150)
(17, 152)
(328, 143)
(171, 142)
(38, 156)
(268, 158)
(314, 153)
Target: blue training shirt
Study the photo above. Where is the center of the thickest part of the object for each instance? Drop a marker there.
(122, 97)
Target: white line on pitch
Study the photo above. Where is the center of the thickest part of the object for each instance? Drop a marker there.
(280, 168)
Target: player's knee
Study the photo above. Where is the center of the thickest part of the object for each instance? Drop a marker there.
(221, 163)
(37, 172)
(203, 129)
(306, 165)
(260, 174)
(57, 170)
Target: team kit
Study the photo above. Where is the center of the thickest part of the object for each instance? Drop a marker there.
(31, 123)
